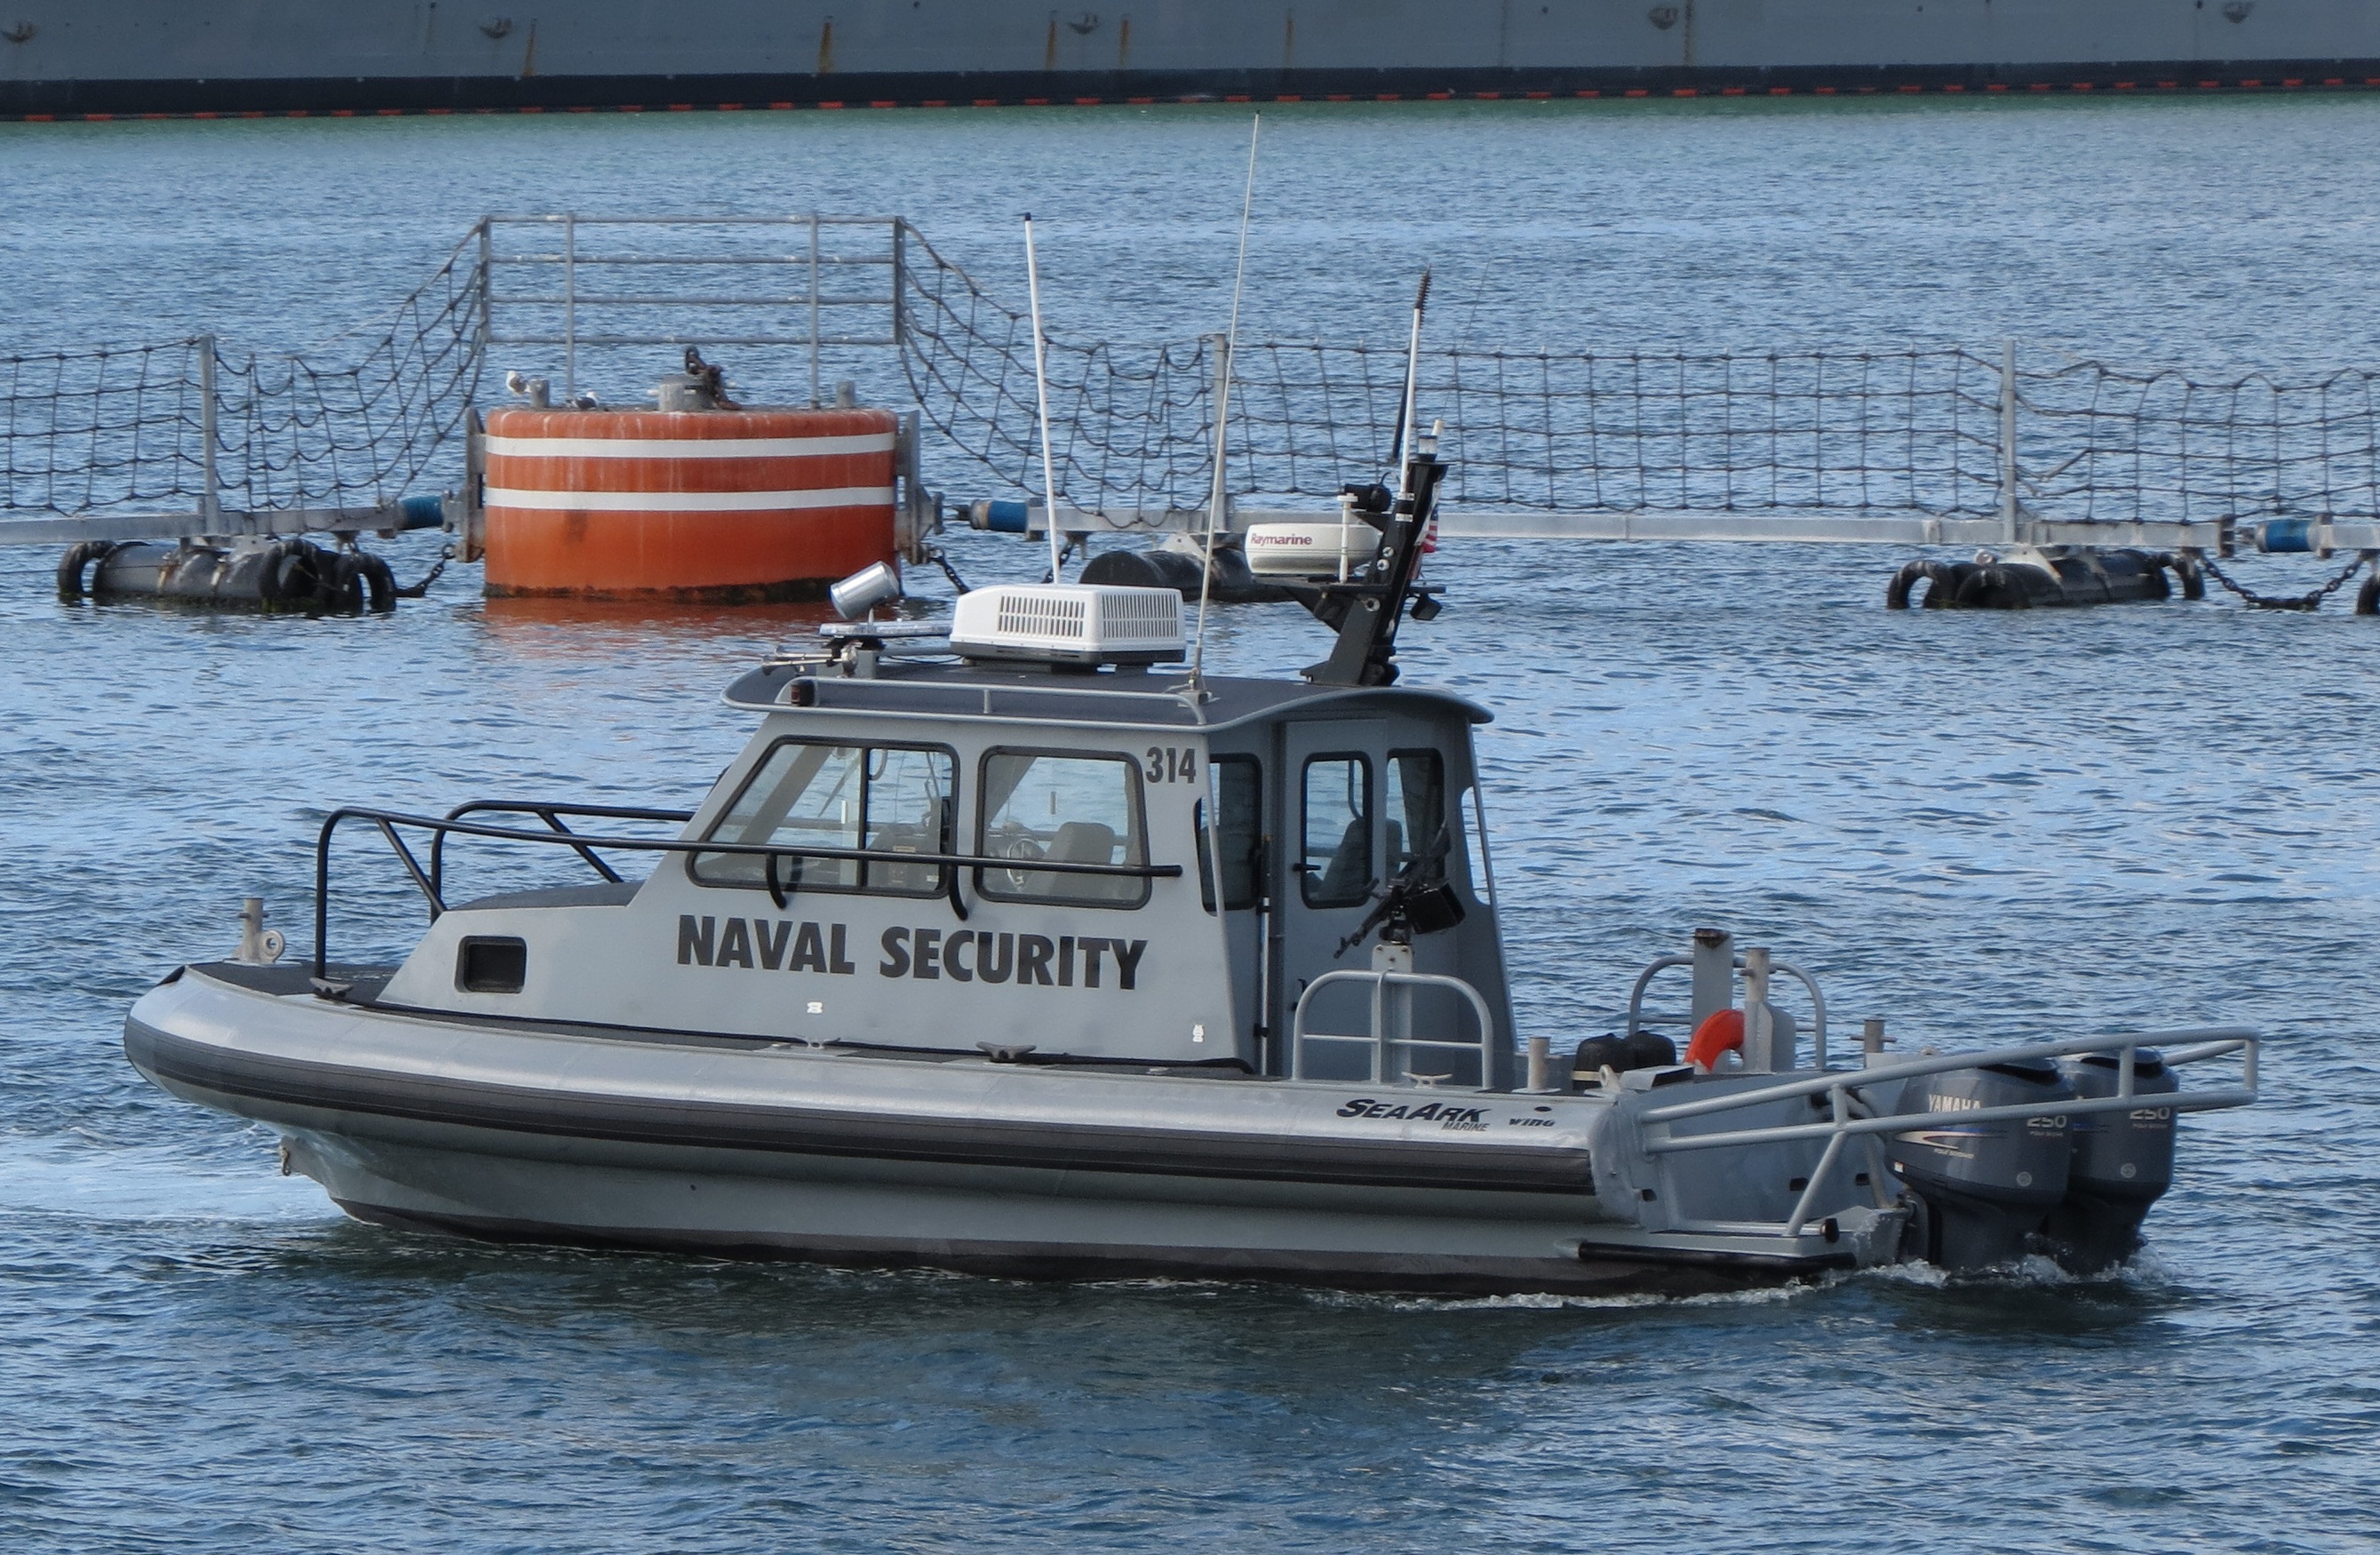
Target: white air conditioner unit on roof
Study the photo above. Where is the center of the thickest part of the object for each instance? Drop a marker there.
(1069, 623)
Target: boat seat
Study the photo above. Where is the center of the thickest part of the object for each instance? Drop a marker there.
(922, 836)
(1085, 842)
(1347, 879)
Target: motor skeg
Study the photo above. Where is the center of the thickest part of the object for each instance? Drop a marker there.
(1988, 1185)
(2120, 1165)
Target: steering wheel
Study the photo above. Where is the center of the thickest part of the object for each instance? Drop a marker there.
(1020, 846)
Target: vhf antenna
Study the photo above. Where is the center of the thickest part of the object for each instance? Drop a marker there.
(1041, 391)
(1401, 444)
(1223, 411)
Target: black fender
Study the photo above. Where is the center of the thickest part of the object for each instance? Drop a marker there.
(345, 590)
(1985, 586)
(1939, 576)
(268, 573)
(297, 575)
(2186, 572)
(74, 568)
(379, 583)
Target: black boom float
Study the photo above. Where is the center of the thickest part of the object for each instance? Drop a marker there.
(2031, 579)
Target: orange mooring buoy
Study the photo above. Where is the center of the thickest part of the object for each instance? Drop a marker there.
(726, 505)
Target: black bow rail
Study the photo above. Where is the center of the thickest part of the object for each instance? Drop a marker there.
(431, 881)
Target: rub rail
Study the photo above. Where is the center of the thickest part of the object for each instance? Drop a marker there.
(429, 882)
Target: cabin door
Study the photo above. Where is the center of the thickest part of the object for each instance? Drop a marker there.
(1328, 870)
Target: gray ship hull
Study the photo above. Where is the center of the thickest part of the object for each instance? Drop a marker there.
(542, 1133)
(111, 58)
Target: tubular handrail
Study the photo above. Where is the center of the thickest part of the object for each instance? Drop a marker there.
(1855, 1116)
(1381, 982)
(2215, 1042)
(390, 822)
(1901, 1122)
(1817, 1000)
(551, 814)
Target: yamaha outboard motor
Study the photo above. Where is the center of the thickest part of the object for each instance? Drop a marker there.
(1987, 1186)
(2122, 1162)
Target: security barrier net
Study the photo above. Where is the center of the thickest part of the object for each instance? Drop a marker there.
(153, 428)
(87, 431)
(1924, 429)
(1917, 430)
(1131, 426)
(2099, 441)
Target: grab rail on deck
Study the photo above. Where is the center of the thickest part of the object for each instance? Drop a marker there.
(1856, 1116)
(1817, 1000)
(431, 881)
(552, 815)
(1377, 1040)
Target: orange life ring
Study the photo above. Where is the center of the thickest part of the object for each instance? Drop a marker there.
(1721, 1032)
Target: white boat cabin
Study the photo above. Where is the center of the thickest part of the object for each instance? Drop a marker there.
(1052, 864)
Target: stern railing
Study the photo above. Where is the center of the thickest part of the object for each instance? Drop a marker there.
(1855, 1116)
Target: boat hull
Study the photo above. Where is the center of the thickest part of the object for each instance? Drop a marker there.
(765, 1150)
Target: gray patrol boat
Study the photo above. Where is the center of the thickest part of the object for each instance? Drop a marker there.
(1029, 956)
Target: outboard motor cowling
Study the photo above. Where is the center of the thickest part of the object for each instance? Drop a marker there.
(1638, 1050)
(1594, 1056)
(1650, 1050)
(1986, 1186)
(2121, 1163)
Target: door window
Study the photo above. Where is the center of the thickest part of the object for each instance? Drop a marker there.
(1065, 806)
(1418, 838)
(1335, 859)
(1235, 786)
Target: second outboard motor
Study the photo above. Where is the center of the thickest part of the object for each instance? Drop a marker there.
(1987, 1186)
(2122, 1162)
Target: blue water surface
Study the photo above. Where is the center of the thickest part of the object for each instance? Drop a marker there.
(1978, 828)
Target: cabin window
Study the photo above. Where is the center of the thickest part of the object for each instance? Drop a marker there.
(1235, 790)
(1419, 837)
(882, 798)
(1335, 862)
(1063, 806)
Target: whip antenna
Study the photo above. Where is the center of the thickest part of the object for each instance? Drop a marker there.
(1041, 391)
(1401, 444)
(1224, 409)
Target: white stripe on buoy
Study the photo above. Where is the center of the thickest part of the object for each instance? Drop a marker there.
(687, 447)
(686, 502)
